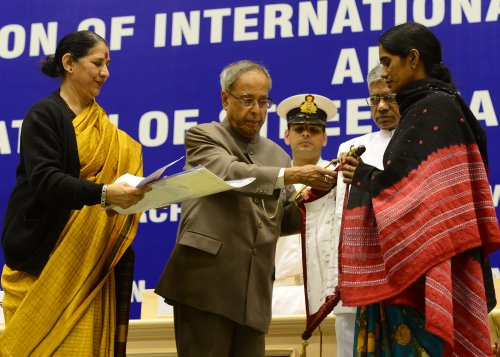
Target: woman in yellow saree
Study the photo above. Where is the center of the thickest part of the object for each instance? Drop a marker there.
(68, 272)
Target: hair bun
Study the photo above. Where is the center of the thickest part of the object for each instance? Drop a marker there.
(49, 66)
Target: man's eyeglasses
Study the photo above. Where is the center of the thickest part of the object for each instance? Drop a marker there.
(389, 98)
(250, 102)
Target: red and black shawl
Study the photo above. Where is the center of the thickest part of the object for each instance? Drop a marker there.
(419, 232)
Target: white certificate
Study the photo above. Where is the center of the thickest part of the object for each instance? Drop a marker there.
(183, 186)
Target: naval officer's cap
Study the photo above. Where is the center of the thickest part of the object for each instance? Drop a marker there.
(311, 109)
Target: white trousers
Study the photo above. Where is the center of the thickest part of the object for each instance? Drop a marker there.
(344, 331)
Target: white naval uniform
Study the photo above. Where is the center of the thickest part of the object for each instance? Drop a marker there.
(288, 291)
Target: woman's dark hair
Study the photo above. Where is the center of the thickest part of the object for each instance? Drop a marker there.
(78, 44)
(401, 39)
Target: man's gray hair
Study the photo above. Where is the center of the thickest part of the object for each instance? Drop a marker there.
(233, 71)
(375, 74)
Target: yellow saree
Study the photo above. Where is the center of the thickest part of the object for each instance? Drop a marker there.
(70, 308)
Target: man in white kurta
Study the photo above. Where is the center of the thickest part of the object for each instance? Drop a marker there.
(288, 293)
(385, 114)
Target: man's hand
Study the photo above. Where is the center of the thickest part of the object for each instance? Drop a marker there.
(311, 175)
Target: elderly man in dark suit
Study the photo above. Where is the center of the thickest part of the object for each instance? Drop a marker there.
(219, 277)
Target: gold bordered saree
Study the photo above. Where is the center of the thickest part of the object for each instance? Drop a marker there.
(70, 308)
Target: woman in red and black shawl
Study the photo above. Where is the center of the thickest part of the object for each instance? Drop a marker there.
(416, 235)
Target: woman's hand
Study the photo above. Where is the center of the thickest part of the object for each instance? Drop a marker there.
(124, 195)
(349, 164)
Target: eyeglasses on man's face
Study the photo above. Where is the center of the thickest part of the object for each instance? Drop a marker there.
(374, 100)
(248, 102)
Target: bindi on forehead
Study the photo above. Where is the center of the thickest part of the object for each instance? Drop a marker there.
(106, 54)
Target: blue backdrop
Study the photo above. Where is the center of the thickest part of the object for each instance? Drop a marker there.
(166, 57)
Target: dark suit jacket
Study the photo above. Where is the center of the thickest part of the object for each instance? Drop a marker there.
(223, 261)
